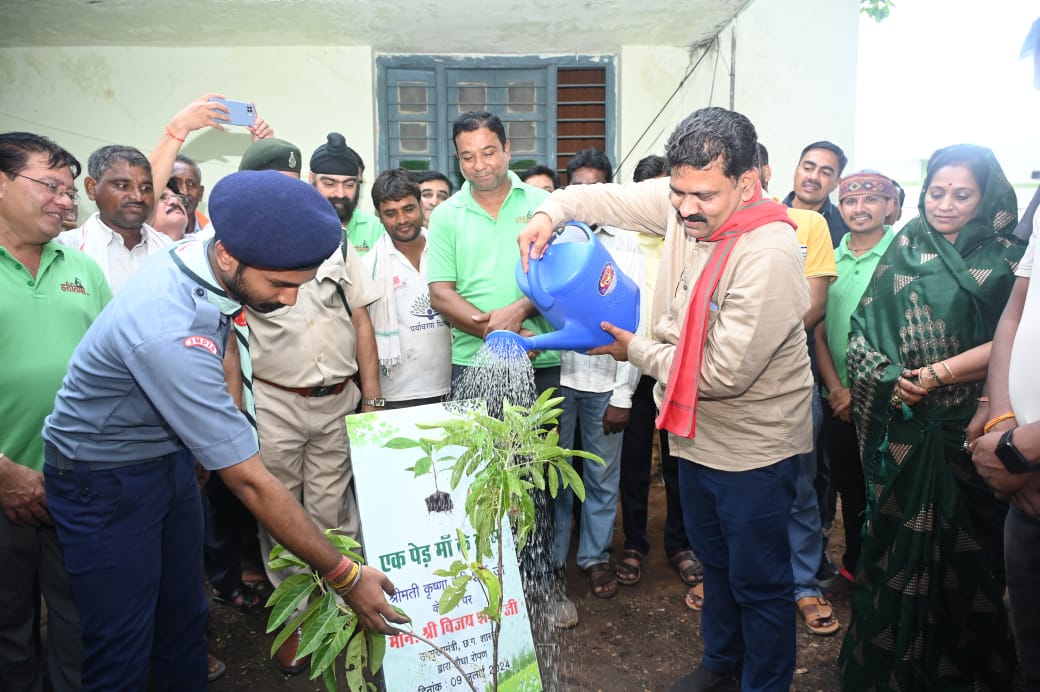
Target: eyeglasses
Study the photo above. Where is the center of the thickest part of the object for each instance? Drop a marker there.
(169, 197)
(55, 189)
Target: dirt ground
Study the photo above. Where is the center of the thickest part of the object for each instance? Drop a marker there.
(643, 639)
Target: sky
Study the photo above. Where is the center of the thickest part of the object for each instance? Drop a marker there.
(940, 72)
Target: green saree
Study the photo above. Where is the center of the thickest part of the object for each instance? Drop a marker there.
(928, 612)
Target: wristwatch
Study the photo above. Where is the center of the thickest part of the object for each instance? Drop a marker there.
(378, 403)
(1011, 457)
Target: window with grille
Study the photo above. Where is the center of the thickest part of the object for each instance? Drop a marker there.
(551, 108)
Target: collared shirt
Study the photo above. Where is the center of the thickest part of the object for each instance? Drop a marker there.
(854, 275)
(602, 373)
(835, 223)
(313, 343)
(44, 318)
(110, 252)
(424, 336)
(755, 382)
(479, 254)
(364, 230)
(148, 378)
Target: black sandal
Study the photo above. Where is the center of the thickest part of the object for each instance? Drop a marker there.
(243, 598)
(630, 569)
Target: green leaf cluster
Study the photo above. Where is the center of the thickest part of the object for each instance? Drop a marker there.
(877, 10)
(328, 626)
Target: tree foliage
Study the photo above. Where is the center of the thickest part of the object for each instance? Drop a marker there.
(876, 9)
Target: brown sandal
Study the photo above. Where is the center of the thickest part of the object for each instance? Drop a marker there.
(630, 570)
(688, 566)
(602, 580)
(819, 615)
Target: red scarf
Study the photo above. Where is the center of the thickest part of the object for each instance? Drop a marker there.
(679, 410)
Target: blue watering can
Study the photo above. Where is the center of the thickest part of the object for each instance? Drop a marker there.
(575, 285)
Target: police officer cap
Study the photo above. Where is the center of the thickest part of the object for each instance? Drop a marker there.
(335, 157)
(271, 155)
(271, 221)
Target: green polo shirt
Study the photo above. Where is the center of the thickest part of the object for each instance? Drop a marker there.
(479, 253)
(43, 320)
(854, 275)
(364, 230)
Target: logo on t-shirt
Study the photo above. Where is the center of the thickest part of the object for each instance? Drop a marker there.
(74, 286)
(201, 342)
(421, 308)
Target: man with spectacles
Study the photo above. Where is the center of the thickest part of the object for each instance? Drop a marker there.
(116, 236)
(49, 295)
(171, 214)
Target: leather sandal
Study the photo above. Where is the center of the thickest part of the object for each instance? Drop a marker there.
(630, 570)
(818, 614)
(695, 598)
(602, 580)
(688, 566)
(243, 598)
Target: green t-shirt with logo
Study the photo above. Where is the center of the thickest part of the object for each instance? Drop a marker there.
(43, 319)
(479, 253)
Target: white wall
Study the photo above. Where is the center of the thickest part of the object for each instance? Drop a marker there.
(795, 79)
(84, 98)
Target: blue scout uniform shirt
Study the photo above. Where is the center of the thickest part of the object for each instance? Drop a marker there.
(148, 380)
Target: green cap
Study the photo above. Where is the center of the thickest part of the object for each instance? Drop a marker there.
(271, 155)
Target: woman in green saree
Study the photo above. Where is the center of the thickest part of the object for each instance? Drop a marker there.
(928, 612)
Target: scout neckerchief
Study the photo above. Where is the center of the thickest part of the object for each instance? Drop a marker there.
(192, 258)
(679, 410)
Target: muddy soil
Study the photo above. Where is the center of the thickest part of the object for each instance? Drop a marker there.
(643, 639)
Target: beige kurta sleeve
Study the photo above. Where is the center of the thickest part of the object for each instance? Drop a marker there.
(642, 207)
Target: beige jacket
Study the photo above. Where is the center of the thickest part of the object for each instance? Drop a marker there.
(755, 384)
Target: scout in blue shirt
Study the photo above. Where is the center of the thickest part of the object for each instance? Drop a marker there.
(144, 395)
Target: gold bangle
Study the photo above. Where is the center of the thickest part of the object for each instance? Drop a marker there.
(992, 422)
(949, 372)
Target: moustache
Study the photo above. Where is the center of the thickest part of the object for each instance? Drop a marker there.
(695, 218)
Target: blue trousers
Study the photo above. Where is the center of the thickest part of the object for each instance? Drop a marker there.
(737, 523)
(599, 509)
(804, 523)
(132, 538)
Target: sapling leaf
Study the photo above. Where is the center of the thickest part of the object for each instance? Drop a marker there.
(299, 621)
(325, 656)
(402, 443)
(422, 466)
(377, 647)
(329, 616)
(289, 594)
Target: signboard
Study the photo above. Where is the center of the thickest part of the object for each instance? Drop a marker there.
(408, 542)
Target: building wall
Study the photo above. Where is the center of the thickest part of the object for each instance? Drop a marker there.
(795, 81)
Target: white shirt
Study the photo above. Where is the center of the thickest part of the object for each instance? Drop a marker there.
(110, 252)
(603, 373)
(1023, 382)
(425, 338)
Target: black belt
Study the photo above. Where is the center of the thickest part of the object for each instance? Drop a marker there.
(324, 390)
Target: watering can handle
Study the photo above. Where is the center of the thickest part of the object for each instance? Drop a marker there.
(538, 294)
(542, 299)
